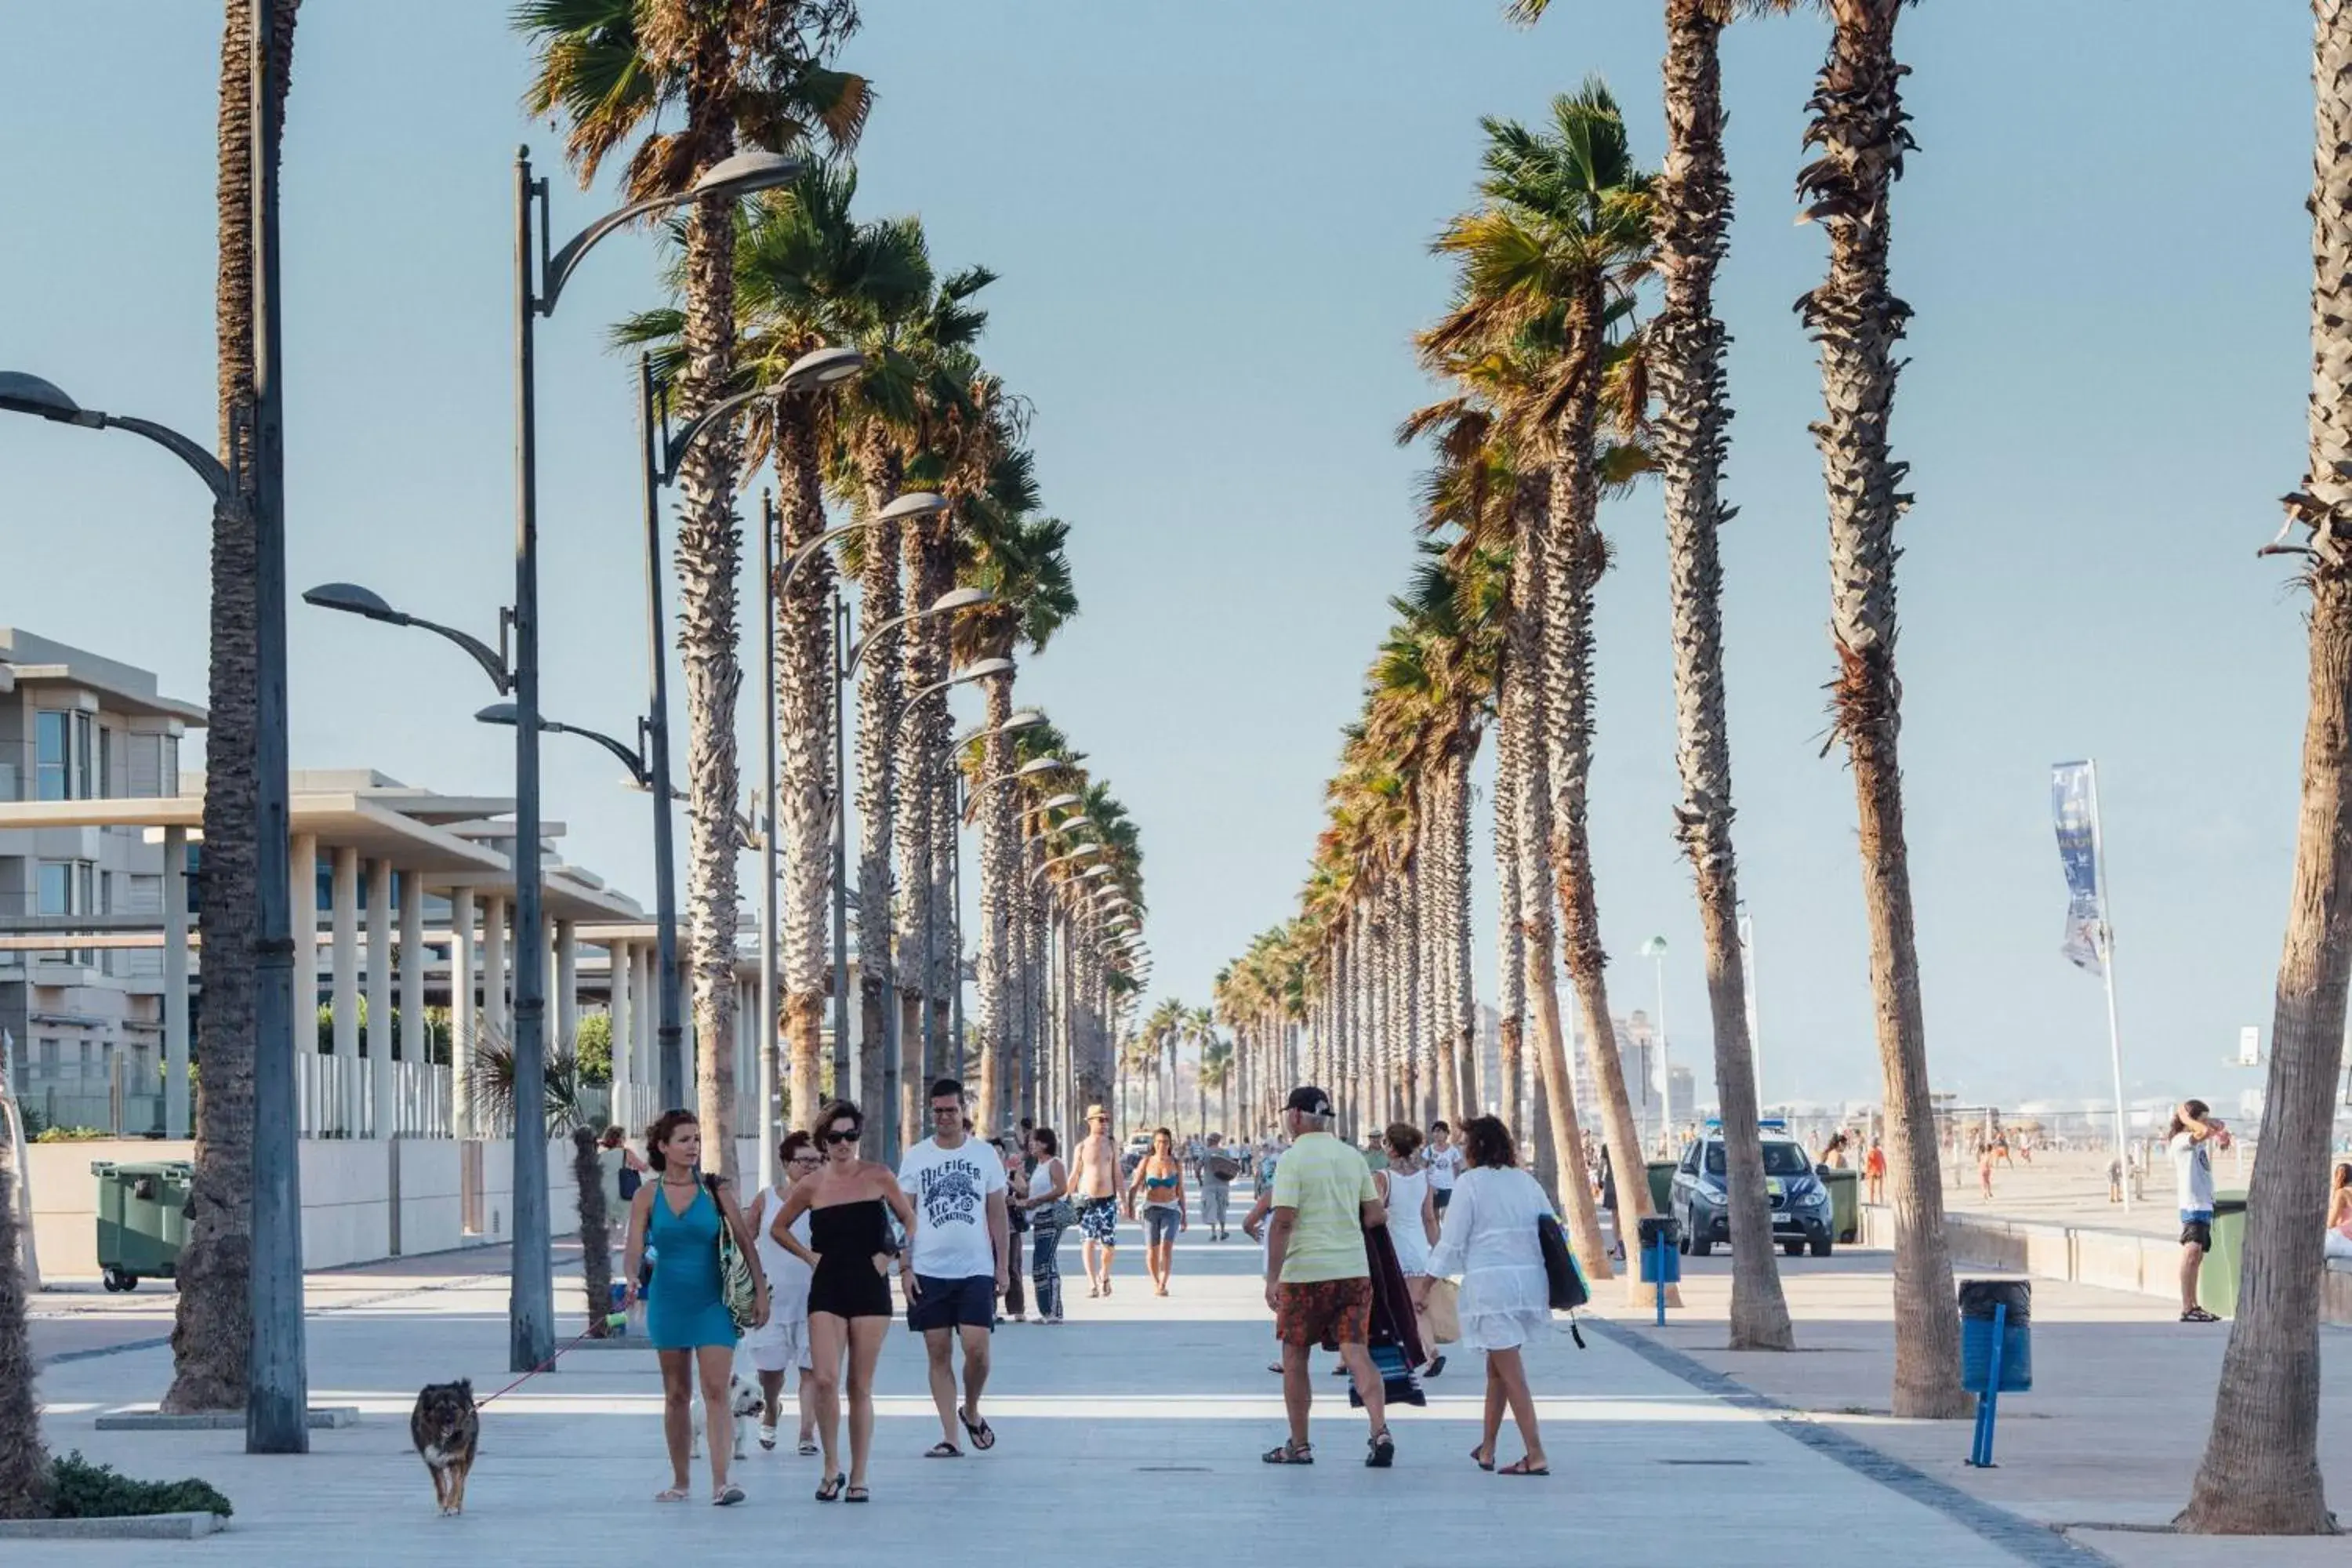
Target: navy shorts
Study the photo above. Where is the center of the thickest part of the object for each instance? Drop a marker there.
(953, 1303)
(1160, 1224)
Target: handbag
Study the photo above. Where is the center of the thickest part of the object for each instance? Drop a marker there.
(736, 1287)
(1442, 1307)
(1565, 1280)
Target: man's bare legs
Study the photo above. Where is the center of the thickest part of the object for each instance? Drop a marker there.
(976, 1343)
(1298, 1391)
(939, 1344)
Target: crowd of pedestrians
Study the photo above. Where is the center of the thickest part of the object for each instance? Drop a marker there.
(1361, 1255)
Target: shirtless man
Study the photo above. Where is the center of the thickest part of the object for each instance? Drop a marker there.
(1094, 1188)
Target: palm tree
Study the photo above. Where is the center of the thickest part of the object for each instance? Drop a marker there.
(1017, 556)
(1858, 129)
(2260, 1470)
(25, 1481)
(606, 69)
(1693, 209)
(213, 1318)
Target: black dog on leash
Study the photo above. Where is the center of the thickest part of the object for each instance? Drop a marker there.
(445, 1426)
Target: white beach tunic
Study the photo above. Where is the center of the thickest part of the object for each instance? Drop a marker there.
(1488, 1237)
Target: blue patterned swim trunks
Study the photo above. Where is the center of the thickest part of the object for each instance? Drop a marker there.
(1098, 1220)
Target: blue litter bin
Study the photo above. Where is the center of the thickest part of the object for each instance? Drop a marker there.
(1662, 1258)
(1984, 1323)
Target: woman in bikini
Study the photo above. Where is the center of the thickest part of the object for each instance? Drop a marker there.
(849, 1202)
(1159, 1183)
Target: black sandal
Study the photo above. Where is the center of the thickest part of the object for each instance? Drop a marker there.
(829, 1490)
(1290, 1453)
(983, 1435)
(1382, 1451)
(943, 1449)
(858, 1494)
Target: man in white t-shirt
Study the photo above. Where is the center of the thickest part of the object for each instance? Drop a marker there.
(1444, 1161)
(955, 1259)
(2193, 1136)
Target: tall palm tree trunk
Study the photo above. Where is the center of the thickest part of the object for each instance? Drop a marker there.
(25, 1477)
(2260, 1470)
(997, 829)
(1575, 557)
(709, 558)
(879, 600)
(807, 788)
(1511, 749)
(1531, 702)
(927, 572)
(1858, 127)
(1460, 1014)
(1693, 207)
(212, 1315)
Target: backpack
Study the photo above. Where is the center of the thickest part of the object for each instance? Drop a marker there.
(1224, 1167)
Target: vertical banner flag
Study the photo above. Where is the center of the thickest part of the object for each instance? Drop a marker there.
(2073, 812)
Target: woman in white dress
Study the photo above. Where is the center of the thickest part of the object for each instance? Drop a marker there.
(1489, 1240)
(1413, 1222)
(781, 1344)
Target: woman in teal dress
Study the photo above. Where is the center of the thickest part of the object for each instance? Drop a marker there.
(686, 1316)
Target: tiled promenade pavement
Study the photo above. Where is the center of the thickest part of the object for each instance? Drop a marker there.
(1134, 1429)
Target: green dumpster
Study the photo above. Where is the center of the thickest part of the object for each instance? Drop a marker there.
(1844, 1188)
(1662, 1185)
(2217, 1277)
(142, 1219)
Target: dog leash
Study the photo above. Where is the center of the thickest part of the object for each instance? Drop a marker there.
(543, 1367)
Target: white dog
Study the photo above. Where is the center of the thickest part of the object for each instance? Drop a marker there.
(744, 1405)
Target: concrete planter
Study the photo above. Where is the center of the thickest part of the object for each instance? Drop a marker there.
(136, 1527)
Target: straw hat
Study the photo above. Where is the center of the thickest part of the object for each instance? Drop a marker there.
(1097, 1114)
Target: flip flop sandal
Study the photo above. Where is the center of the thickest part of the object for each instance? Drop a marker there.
(1290, 1454)
(831, 1490)
(1482, 1463)
(983, 1435)
(1380, 1451)
(808, 1450)
(1521, 1467)
(728, 1499)
(1434, 1367)
(858, 1494)
(943, 1450)
(672, 1494)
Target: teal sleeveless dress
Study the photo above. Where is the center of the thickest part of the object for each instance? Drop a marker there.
(683, 1307)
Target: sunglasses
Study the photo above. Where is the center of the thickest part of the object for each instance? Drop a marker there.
(834, 1136)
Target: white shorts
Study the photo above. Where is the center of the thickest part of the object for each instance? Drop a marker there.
(780, 1346)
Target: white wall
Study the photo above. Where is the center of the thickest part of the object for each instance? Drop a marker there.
(347, 1197)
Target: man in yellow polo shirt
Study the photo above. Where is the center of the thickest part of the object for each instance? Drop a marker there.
(1317, 1276)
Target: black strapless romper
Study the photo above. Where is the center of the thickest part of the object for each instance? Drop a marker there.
(845, 1236)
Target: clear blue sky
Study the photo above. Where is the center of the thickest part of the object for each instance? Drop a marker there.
(1211, 223)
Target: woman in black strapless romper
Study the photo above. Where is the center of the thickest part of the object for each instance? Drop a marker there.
(848, 1202)
(846, 1238)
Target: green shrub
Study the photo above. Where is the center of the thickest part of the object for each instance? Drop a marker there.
(82, 1489)
(71, 1135)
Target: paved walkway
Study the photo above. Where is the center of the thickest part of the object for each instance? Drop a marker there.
(1135, 1427)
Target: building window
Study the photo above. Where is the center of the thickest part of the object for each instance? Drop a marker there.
(68, 888)
(51, 730)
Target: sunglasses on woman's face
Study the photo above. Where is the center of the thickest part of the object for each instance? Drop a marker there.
(839, 1135)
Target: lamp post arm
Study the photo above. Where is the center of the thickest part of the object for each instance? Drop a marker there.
(493, 660)
(556, 271)
(207, 467)
(798, 557)
(873, 634)
(630, 757)
(675, 448)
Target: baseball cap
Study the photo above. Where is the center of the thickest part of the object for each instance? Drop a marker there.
(1308, 1101)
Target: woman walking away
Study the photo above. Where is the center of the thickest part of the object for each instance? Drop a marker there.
(1048, 1203)
(1160, 1182)
(848, 1202)
(2339, 1214)
(679, 1214)
(782, 1344)
(1413, 1223)
(1489, 1238)
(1218, 1169)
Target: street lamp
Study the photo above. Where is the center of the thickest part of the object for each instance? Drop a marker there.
(276, 1375)
(1655, 948)
(539, 278)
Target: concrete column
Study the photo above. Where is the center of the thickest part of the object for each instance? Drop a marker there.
(383, 1116)
(175, 983)
(567, 984)
(345, 950)
(415, 1037)
(494, 965)
(464, 1020)
(624, 967)
(302, 872)
(648, 1078)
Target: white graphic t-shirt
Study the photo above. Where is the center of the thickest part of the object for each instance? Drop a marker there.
(950, 1189)
(1445, 1164)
